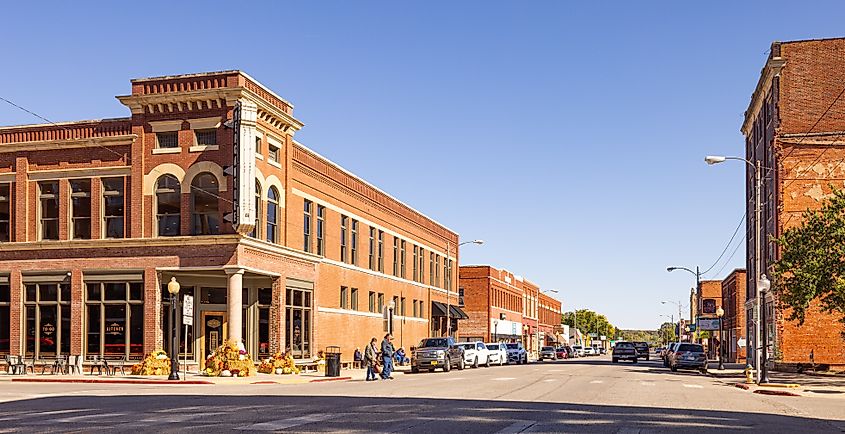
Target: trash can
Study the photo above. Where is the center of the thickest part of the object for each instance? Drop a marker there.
(332, 354)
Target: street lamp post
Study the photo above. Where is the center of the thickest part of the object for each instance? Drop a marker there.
(697, 275)
(680, 307)
(721, 313)
(764, 284)
(758, 184)
(449, 285)
(173, 288)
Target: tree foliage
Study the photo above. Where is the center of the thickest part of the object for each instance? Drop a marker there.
(812, 263)
(589, 322)
(667, 332)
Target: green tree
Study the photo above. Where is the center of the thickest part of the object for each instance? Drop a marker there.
(667, 332)
(812, 263)
(589, 322)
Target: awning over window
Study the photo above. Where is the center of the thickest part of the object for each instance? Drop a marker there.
(439, 310)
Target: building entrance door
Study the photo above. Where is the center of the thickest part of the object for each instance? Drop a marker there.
(213, 333)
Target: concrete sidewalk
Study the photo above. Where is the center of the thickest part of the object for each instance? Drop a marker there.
(187, 378)
(786, 383)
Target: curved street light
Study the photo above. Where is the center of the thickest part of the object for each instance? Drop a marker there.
(449, 286)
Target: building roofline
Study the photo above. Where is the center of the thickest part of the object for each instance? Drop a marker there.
(344, 170)
(191, 75)
(65, 123)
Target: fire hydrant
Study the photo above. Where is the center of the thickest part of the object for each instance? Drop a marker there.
(749, 378)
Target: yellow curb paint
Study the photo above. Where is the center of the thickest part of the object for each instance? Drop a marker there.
(786, 385)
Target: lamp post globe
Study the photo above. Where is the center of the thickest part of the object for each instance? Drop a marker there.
(173, 288)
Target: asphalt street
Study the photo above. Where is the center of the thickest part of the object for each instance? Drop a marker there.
(578, 396)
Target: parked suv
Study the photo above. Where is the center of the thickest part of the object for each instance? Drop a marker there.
(548, 353)
(688, 356)
(517, 354)
(624, 351)
(642, 349)
(433, 353)
(475, 353)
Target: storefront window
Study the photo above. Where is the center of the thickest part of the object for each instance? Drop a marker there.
(298, 322)
(115, 319)
(4, 318)
(265, 298)
(47, 319)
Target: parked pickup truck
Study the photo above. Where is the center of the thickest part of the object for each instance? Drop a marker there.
(433, 353)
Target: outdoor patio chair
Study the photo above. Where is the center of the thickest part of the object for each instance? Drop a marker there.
(116, 364)
(13, 364)
(98, 364)
(74, 364)
(27, 363)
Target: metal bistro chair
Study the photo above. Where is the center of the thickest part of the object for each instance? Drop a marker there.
(13, 364)
(74, 364)
(27, 363)
(98, 364)
(116, 364)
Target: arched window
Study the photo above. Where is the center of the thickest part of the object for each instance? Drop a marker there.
(205, 218)
(272, 214)
(256, 233)
(168, 205)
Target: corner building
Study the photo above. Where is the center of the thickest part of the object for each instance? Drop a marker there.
(793, 130)
(203, 182)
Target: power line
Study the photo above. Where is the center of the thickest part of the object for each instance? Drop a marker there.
(736, 231)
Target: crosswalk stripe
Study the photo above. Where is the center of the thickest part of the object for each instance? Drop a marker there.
(694, 386)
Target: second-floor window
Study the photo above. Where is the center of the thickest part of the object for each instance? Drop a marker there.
(80, 212)
(372, 262)
(395, 256)
(168, 206)
(372, 301)
(381, 251)
(5, 212)
(273, 154)
(402, 259)
(422, 265)
(256, 230)
(353, 299)
(49, 212)
(344, 298)
(169, 139)
(414, 267)
(354, 243)
(321, 223)
(431, 268)
(205, 218)
(206, 137)
(306, 225)
(113, 207)
(272, 215)
(344, 220)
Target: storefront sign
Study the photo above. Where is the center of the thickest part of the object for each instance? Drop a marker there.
(708, 324)
(48, 329)
(188, 305)
(243, 173)
(188, 320)
(114, 329)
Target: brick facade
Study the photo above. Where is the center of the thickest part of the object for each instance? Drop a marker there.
(794, 124)
(291, 288)
(733, 298)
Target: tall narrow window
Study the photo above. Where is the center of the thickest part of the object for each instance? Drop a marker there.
(273, 154)
(321, 224)
(5, 212)
(5, 318)
(380, 302)
(402, 306)
(353, 299)
(402, 260)
(168, 205)
(113, 207)
(272, 215)
(115, 320)
(414, 267)
(431, 268)
(395, 256)
(381, 251)
(80, 208)
(422, 265)
(205, 215)
(372, 262)
(306, 225)
(372, 301)
(354, 241)
(256, 231)
(416, 312)
(437, 270)
(344, 297)
(451, 284)
(344, 220)
(258, 145)
(49, 198)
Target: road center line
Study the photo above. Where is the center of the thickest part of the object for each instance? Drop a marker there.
(694, 386)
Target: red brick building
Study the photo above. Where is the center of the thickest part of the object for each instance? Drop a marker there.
(708, 300)
(733, 298)
(508, 308)
(203, 181)
(793, 125)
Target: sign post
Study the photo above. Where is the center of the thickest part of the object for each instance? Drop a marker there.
(188, 320)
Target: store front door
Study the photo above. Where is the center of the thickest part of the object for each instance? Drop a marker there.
(214, 330)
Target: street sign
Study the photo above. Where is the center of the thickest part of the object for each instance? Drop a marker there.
(188, 320)
(708, 324)
(188, 305)
(741, 342)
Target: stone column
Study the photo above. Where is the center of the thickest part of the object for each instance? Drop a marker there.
(234, 308)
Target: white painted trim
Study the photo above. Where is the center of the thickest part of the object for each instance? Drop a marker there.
(274, 164)
(85, 172)
(204, 123)
(157, 151)
(367, 314)
(274, 141)
(166, 126)
(204, 166)
(201, 148)
(363, 220)
(387, 276)
(7, 177)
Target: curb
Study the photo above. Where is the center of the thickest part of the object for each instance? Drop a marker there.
(327, 379)
(742, 386)
(781, 385)
(775, 392)
(90, 381)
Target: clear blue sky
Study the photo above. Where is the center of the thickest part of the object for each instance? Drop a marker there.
(570, 137)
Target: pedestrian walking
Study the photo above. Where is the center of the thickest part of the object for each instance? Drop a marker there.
(371, 359)
(387, 352)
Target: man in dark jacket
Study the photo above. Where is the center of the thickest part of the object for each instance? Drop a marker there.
(387, 357)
